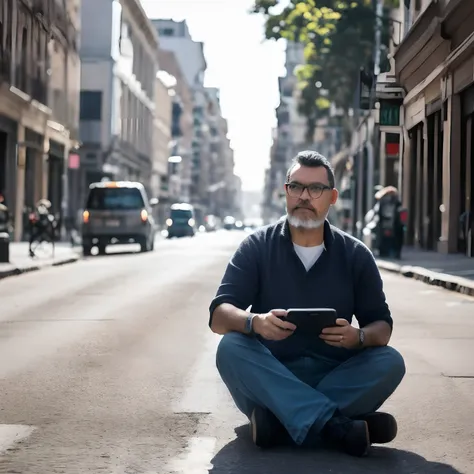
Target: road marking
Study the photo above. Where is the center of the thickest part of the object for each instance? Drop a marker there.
(196, 459)
(204, 380)
(12, 434)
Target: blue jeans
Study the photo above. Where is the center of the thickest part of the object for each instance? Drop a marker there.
(306, 391)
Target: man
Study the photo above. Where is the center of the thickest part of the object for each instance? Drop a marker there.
(325, 388)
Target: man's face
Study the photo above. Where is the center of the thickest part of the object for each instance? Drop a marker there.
(309, 208)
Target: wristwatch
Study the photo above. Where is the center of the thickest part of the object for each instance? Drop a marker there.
(361, 337)
(248, 325)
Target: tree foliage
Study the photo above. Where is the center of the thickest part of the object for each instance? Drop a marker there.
(338, 38)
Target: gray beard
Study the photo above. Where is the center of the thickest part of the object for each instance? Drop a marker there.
(305, 223)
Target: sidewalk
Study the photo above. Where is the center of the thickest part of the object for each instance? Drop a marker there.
(20, 262)
(453, 272)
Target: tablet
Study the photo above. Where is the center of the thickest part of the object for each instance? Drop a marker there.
(312, 320)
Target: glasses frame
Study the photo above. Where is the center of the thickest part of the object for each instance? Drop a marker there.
(324, 187)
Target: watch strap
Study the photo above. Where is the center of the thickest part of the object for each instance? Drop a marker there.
(248, 324)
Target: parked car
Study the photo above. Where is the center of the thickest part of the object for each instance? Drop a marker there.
(118, 212)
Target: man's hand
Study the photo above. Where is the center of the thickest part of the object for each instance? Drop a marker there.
(271, 327)
(344, 335)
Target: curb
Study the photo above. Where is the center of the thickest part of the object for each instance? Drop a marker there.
(15, 271)
(443, 280)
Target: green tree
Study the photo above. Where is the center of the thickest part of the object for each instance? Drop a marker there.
(338, 38)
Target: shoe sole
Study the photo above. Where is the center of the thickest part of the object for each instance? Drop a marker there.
(382, 427)
(361, 450)
(253, 427)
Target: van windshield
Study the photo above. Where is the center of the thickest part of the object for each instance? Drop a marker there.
(109, 199)
(181, 215)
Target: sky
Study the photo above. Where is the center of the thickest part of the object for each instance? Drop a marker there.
(243, 66)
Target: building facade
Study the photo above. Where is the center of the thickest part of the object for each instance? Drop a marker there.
(434, 63)
(372, 156)
(119, 54)
(39, 104)
(161, 142)
(178, 185)
(175, 37)
(221, 170)
(288, 136)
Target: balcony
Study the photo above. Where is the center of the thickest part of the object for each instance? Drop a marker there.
(65, 111)
(39, 90)
(31, 85)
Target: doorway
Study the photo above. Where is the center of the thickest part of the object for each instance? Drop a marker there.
(466, 181)
(466, 191)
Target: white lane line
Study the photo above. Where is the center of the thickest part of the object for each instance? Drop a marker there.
(205, 390)
(196, 459)
(203, 394)
(12, 434)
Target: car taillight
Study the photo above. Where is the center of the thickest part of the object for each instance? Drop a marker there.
(85, 217)
(144, 215)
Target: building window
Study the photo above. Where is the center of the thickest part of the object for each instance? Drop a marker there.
(91, 105)
(167, 32)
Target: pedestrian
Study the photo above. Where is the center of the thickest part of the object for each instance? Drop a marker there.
(302, 388)
(390, 228)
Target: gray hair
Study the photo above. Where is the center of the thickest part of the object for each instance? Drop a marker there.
(312, 159)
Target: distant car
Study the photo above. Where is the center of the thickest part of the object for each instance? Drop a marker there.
(210, 223)
(118, 212)
(229, 223)
(181, 222)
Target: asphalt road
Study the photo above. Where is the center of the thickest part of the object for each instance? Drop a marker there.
(107, 366)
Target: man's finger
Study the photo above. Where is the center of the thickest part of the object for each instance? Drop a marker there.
(279, 312)
(336, 330)
(325, 337)
(281, 323)
(342, 322)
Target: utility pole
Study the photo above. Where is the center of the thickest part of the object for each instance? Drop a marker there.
(379, 4)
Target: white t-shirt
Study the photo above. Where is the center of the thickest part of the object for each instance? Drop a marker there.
(309, 255)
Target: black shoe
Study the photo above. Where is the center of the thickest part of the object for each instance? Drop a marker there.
(382, 427)
(266, 429)
(350, 435)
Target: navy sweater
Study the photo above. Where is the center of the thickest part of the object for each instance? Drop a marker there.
(265, 273)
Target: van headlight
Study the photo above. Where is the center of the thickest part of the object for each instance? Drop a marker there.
(191, 222)
(169, 222)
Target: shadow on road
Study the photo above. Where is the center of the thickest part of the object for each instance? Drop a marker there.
(240, 456)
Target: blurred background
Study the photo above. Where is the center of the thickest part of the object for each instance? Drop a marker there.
(206, 102)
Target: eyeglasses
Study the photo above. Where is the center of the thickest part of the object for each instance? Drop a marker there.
(315, 190)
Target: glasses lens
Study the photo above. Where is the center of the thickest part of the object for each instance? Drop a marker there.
(315, 191)
(294, 190)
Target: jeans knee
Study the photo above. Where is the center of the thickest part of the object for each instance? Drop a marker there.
(395, 364)
(228, 348)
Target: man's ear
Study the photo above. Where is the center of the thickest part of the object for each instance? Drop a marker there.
(335, 195)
